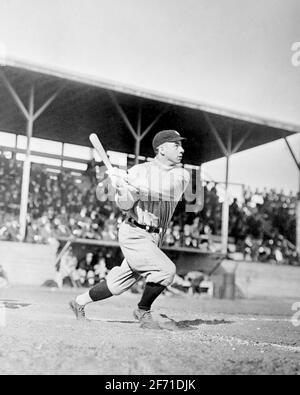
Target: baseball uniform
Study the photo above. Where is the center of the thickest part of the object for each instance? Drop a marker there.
(160, 188)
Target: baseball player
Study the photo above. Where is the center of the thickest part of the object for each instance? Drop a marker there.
(149, 193)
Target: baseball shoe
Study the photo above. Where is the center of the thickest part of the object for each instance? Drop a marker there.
(146, 319)
(78, 310)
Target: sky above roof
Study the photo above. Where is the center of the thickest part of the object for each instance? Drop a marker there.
(231, 54)
(269, 166)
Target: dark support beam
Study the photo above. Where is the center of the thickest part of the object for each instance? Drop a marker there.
(215, 133)
(148, 129)
(225, 208)
(123, 115)
(139, 132)
(292, 153)
(44, 107)
(14, 95)
(242, 141)
(229, 142)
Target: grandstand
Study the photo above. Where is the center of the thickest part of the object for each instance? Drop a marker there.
(62, 107)
(226, 77)
(48, 185)
(62, 203)
(50, 104)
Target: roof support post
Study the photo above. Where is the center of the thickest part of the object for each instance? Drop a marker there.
(225, 208)
(123, 115)
(298, 197)
(30, 117)
(227, 151)
(26, 168)
(137, 134)
(14, 95)
(215, 133)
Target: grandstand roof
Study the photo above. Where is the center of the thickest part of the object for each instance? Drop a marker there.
(199, 57)
(85, 105)
(218, 54)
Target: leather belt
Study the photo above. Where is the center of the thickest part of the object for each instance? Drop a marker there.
(149, 229)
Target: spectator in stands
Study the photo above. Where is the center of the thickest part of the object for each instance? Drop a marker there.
(100, 269)
(86, 270)
(263, 225)
(67, 273)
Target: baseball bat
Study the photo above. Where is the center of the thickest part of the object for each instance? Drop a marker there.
(100, 149)
(64, 250)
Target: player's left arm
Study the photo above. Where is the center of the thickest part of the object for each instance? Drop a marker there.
(126, 194)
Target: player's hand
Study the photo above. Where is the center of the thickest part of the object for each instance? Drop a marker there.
(146, 218)
(118, 177)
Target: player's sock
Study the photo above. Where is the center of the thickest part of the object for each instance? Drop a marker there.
(151, 292)
(100, 292)
(84, 299)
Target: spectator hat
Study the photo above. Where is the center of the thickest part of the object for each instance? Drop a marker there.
(166, 136)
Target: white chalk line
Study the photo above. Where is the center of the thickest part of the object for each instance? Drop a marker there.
(262, 319)
(242, 342)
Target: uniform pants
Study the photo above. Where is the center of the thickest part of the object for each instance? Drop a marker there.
(143, 258)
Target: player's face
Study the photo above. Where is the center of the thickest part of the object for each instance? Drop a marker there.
(173, 152)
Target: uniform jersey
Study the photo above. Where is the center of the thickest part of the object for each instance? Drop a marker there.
(161, 188)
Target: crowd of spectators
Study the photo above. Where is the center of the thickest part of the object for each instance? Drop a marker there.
(77, 270)
(62, 204)
(84, 272)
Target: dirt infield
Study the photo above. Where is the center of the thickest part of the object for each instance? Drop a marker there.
(39, 335)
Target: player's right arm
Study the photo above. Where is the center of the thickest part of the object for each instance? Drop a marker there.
(126, 195)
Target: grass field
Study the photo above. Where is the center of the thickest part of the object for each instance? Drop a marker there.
(39, 335)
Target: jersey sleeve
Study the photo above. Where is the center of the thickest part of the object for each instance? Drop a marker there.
(169, 188)
(182, 182)
(126, 197)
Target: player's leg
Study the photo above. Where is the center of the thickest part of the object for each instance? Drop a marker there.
(156, 282)
(118, 280)
(143, 256)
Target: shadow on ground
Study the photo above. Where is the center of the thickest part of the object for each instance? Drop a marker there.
(13, 304)
(171, 324)
(190, 324)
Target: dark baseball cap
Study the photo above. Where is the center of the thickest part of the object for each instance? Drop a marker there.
(166, 136)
